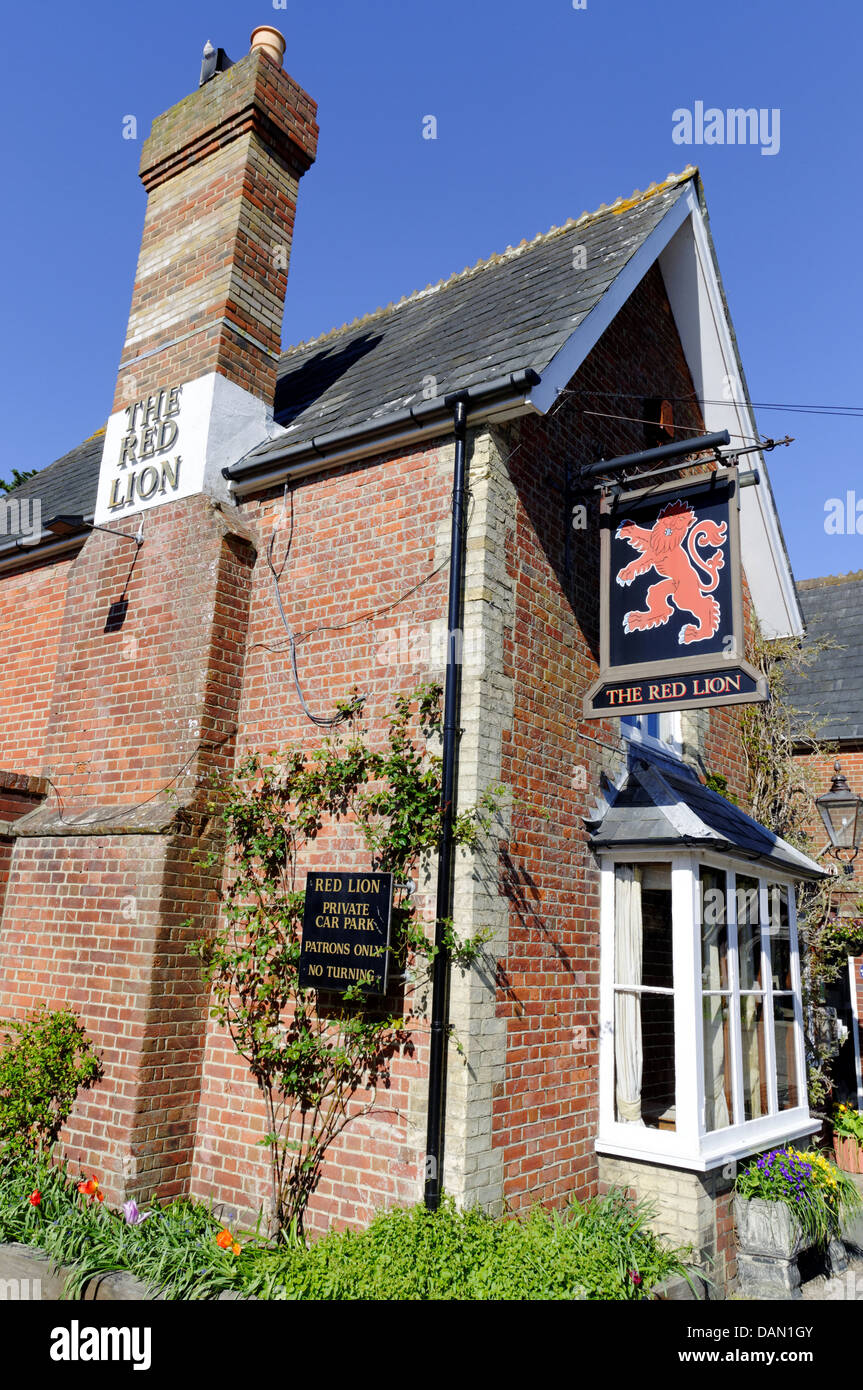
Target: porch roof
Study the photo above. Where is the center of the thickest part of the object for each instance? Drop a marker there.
(662, 803)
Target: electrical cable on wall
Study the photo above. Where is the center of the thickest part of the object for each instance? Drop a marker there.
(323, 721)
(328, 721)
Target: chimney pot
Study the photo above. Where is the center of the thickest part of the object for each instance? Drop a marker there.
(270, 40)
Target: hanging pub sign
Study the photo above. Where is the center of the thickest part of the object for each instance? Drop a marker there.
(671, 601)
(346, 930)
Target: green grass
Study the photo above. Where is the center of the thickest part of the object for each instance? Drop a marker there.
(601, 1249)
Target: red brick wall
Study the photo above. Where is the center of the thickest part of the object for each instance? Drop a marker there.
(131, 708)
(134, 702)
(140, 716)
(18, 795)
(363, 536)
(97, 923)
(31, 618)
(818, 769)
(724, 1272)
(546, 1117)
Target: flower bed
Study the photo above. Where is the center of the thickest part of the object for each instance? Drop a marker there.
(596, 1250)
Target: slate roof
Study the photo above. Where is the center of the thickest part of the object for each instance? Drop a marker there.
(67, 485)
(510, 312)
(505, 314)
(663, 803)
(832, 687)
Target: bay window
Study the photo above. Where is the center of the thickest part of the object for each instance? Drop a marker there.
(701, 1041)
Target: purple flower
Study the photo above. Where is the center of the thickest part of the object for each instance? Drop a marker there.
(133, 1216)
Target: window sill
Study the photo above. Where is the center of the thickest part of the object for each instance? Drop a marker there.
(716, 1149)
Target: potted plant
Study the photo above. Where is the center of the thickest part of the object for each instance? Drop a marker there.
(848, 1138)
(786, 1201)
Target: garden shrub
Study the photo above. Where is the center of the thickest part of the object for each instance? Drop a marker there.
(601, 1249)
(44, 1062)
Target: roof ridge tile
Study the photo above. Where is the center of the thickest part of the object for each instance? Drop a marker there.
(822, 581)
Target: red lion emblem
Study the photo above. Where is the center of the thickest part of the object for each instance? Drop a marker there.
(666, 549)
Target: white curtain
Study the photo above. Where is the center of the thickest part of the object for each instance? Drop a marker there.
(714, 1054)
(628, 934)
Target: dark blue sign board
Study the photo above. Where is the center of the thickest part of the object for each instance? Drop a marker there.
(671, 619)
(346, 930)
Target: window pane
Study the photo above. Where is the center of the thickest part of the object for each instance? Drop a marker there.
(643, 1021)
(780, 936)
(786, 1056)
(717, 1070)
(647, 723)
(657, 1030)
(752, 1039)
(714, 932)
(748, 933)
(657, 963)
(644, 1059)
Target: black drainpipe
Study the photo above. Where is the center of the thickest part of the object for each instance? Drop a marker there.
(451, 731)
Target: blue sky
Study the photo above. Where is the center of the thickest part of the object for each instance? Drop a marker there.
(543, 111)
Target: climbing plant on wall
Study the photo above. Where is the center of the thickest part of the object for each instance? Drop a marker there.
(782, 791)
(320, 1059)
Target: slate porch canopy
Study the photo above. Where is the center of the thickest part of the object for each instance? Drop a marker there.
(662, 804)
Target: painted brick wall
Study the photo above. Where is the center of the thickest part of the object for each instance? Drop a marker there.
(694, 1209)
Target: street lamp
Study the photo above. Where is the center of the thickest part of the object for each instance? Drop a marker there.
(841, 810)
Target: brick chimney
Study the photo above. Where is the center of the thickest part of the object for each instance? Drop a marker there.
(149, 672)
(197, 374)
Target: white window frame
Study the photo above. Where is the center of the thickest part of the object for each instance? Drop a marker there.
(670, 732)
(690, 1145)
